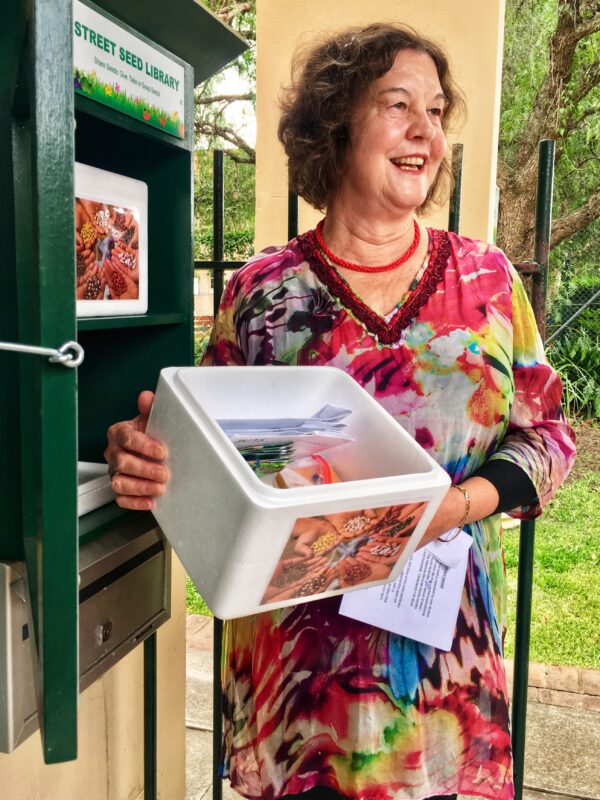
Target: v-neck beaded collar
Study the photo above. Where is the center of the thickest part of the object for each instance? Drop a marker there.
(384, 331)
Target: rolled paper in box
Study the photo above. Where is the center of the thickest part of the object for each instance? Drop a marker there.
(250, 547)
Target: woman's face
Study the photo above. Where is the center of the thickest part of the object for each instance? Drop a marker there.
(397, 140)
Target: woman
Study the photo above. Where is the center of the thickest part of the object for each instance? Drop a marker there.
(438, 329)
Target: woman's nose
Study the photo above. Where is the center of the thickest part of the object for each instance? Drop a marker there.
(421, 126)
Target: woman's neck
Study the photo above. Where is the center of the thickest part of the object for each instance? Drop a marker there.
(352, 236)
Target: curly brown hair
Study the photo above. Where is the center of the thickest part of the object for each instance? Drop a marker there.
(328, 80)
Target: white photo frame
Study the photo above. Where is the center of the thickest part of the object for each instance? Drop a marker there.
(111, 233)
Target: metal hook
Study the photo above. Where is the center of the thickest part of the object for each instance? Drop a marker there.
(70, 354)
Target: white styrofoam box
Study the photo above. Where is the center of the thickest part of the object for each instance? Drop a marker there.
(230, 529)
(94, 487)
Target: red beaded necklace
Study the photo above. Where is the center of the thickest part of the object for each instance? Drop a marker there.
(359, 267)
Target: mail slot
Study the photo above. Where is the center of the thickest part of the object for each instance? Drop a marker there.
(124, 596)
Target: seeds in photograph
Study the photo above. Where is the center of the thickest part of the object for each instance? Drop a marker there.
(355, 572)
(92, 288)
(290, 574)
(312, 586)
(128, 260)
(355, 525)
(87, 232)
(81, 265)
(118, 285)
(323, 543)
(101, 218)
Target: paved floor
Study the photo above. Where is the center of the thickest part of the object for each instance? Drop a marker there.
(563, 743)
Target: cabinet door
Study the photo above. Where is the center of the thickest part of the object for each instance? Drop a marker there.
(42, 170)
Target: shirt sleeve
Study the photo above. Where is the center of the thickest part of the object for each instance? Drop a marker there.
(538, 438)
(223, 348)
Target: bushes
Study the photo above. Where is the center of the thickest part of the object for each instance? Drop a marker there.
(576, 356)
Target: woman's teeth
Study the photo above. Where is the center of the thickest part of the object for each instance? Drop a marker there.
(411, 164)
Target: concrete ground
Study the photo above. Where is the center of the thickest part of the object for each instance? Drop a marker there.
(563, 727)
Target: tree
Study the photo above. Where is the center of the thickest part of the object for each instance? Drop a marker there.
(211, 126)
(551, 90)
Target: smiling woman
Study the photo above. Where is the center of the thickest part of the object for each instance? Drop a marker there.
(438, 329)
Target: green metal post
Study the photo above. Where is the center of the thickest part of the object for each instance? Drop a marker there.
(218, 224)
(543, 221)
(455, 198)
(217, 791)
(150, 788)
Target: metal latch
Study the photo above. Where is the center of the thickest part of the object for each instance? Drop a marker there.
(70, 354)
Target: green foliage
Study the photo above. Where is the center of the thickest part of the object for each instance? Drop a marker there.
(200, 343)
(567, 561)
(194, 603)
(529, 26)
(238, 231)
(576, 357)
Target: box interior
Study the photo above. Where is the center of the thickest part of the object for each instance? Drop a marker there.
(381, 448)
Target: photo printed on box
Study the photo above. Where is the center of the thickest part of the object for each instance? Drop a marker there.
(106, 246)
(338, 551)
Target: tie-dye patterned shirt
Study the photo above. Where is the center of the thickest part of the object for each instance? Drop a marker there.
(312, 698)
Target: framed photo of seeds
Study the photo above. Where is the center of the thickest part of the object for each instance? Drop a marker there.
(111, 243)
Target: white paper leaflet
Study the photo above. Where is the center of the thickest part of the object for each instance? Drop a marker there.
(423, 603)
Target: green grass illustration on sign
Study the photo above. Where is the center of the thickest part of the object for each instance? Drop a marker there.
(112, 95)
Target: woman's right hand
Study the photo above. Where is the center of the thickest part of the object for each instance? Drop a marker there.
(136, 461)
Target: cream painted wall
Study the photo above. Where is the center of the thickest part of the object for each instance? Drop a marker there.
(110, 765)
(472, 34)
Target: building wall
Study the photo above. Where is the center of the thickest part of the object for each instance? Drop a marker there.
(110, 765)
(469, 30)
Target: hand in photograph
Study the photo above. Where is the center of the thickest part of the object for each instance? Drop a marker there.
(101, 219)
(121, 285)
(127, 257)
(121, 219)
(355, 571)
(85, 230)
(93, 287)
(308, 530)
(130, 235)
(84, 261)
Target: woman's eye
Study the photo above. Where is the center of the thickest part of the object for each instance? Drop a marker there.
(436, 112)
(399, 105)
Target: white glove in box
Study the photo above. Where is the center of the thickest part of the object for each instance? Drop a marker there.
(250, 547)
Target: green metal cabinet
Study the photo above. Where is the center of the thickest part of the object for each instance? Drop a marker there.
(52, 416)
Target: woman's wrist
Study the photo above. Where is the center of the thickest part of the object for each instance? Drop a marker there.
(467, 503)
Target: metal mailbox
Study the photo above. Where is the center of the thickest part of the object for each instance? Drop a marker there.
(124, 596)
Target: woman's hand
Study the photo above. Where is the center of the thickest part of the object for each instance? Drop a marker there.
(136, 461)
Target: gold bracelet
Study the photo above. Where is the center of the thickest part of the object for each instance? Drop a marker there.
(465, 494)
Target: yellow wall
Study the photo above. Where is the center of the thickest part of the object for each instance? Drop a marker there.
(110, 765)
(471, 31)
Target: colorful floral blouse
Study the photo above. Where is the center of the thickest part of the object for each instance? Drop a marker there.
(312, 698)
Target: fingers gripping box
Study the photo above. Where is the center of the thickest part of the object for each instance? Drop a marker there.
(249, 546)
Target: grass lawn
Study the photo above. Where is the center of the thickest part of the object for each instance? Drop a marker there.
(566, 594)
(566, 599)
